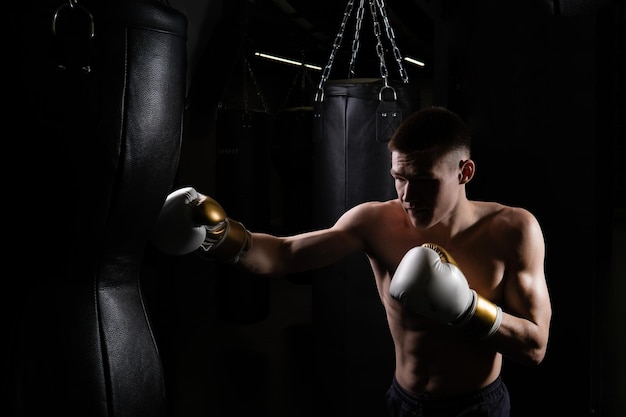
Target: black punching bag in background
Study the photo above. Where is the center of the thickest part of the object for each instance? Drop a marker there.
(97, 95)
(242, 187)
(242, 177)
(351, 162)
(292, 159)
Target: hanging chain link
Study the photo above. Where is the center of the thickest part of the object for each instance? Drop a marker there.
(247, 72)
(356, 42)
(285, 101)
(380, 50)
(256, 86)
(303, 75)
(376, 6)
(244, 71)
(319, 94)
(246, 117)
(392, 39)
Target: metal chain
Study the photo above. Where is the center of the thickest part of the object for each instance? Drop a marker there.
(245, 84)
(303, 76)
(356, 42)
(380, 50)
(285, 101)
(319, 94)
(246, 116)
(376, 6)
(256, 87)
(392, 39)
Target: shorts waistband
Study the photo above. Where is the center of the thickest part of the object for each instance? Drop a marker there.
(488, 393)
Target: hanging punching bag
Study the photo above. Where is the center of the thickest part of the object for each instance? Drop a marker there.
(292, 159)
(352, 161)
(351, 166)
(98, 100)
(354, 120)
(242, 176)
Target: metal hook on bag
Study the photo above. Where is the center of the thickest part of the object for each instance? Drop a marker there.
(73, 5)
(385, 87)
(67, 44)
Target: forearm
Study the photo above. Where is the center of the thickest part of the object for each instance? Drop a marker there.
(266, 255)
(520, 340)
(271, 255)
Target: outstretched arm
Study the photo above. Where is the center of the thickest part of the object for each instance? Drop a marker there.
(192, 222)
(272, 255)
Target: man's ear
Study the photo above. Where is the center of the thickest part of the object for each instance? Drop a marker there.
(468, 168)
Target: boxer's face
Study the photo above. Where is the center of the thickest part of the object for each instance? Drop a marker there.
(428, 187)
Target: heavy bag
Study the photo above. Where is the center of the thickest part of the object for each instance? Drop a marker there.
(354, 121)
(99, 103)
(292, 159)
(242, 177)
(353, 124)
(292, 154)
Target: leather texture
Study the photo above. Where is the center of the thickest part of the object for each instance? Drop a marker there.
(351, 166)
(104, 154)
(350, 145)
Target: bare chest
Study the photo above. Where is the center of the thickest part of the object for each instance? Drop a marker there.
(476, 253)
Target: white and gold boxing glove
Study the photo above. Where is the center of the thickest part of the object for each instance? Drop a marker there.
(190, 221)
(429, 282)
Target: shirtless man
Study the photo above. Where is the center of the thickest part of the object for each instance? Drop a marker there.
(474, 293)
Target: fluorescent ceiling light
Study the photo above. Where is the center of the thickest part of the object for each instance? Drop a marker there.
(414, 61)
(287, 61)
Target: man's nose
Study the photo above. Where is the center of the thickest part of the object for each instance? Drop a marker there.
(410, 192)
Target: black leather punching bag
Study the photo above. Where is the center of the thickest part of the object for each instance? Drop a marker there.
(97, 97)
(351, 163)
(292, 159)
(242, 172)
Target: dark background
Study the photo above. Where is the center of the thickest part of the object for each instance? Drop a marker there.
(541, 84)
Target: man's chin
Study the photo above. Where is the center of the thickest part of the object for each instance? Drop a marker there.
(420, 220)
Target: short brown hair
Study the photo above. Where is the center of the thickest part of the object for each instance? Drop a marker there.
(431, 129)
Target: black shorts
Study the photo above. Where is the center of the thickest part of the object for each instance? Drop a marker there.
(491, 401)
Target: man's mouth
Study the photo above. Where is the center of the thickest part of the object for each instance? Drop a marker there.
(416, 208)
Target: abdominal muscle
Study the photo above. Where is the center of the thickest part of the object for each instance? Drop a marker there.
(436, 359)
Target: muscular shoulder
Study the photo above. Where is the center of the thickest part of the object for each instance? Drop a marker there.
(366, 213)
(513, 227)
(368, 219)
(514, 219)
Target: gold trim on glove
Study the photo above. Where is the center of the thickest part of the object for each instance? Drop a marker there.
(443, 254)
(484, 317)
